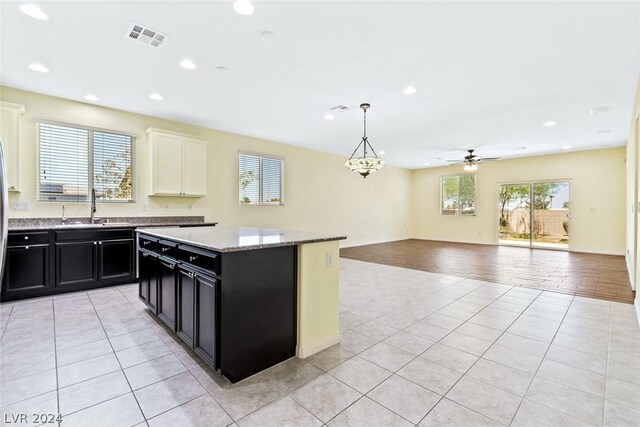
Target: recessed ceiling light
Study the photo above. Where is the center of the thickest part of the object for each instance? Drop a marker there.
(91, 97)
(187, 64)
(268, 36)
(382, 153)
(548, 124)
(39, 68)
(329, 117)
(34, 11)
(409, 90)
(566, 147)
(243, 7)
(156, 96)
(222, 70)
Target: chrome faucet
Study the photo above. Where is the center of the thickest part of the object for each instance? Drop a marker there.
(64, 218)
(93, 206)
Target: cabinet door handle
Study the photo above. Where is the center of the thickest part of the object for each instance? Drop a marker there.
(191, 275)
(95, 243)
(99, 243)
(145, 255)
(193, 258)
(26, 237)
(165, 249)
(26, 247)
(146, 243)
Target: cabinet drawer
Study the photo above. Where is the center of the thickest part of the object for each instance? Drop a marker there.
(199, 258)
(148, 243)
(167, 248)
(93, 234)
(27, 238)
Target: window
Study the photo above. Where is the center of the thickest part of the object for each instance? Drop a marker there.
(259, 180)
(73, 160)
(458, 195)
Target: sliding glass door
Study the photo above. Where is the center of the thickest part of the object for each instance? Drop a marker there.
(534, 214)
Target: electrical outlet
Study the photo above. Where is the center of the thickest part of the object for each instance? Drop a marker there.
(145, 207)
(329, 259)
(592, 210)
(190, 207)
(20, 206)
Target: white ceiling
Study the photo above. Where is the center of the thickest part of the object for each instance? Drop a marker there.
(488, 74)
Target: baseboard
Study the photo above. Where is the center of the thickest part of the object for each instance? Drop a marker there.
(636, 304)
(318, 346)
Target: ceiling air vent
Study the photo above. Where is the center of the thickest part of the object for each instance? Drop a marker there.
(339, 108)
(145, 35)
(598, 110)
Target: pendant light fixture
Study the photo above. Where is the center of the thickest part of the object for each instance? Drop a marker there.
(366, 164)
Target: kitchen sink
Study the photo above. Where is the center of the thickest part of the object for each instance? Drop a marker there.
(80, 225)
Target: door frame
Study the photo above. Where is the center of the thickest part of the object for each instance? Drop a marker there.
(531, 183)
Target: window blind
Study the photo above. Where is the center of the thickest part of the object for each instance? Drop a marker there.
(112, 166)
(259, 180)
(271, 181)
(66, 172)
(64, 163)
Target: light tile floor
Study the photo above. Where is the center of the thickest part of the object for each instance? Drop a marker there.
(418, 349)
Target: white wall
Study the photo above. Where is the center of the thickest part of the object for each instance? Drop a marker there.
(320, 194)
(597, 182)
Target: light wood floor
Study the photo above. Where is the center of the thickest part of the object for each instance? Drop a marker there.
(591, 275)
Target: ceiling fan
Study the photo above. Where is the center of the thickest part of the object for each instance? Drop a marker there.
(471, 161)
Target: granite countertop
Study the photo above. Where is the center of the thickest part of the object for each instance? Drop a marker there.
(225, 238)
(27, 224)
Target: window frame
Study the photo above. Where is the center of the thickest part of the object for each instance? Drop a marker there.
(260, 157)
(459, 208)
(90, 154)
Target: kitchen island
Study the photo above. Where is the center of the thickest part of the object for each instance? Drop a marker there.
(242, 298)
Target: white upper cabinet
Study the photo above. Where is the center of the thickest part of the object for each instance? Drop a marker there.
(10, 136)
(194, 167)
(179, 164)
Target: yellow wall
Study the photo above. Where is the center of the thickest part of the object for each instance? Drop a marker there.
(597, 181)
(318, 299)
(633, 198)
(633, 191)
(320, 194)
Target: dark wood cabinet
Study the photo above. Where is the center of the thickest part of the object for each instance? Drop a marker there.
(56, 261)
(167, 292)
(236, 310)
(85, 259)
(116, 259)
(186, 304)
(26, 272)
(205, 318)
(148, 286)
(76, 264)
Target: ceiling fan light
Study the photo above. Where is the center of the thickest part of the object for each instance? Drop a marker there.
(470, 167)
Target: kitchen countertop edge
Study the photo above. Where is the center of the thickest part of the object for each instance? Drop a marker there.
(226, 249)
